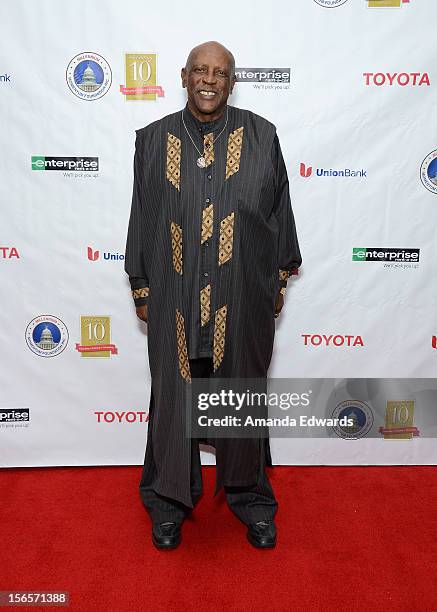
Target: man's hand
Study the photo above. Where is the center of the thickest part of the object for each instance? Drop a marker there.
(142, 312)
(279, 304)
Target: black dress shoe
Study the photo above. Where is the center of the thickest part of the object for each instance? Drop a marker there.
(262, 534)
(166, 536)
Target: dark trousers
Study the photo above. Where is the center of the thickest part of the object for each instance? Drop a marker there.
(249, 504)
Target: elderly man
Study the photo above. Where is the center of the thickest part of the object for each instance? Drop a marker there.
(210, 246)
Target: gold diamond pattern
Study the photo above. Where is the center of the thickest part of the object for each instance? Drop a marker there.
(219, 336)
(208, 148)
(205, 304)
(226, 239)
(176, 245)
(235, 142)
(184, 364)
(284, 275)
(140, 293)
(207, 223)
(174, 160)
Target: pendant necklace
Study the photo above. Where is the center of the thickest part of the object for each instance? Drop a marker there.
(201, 161)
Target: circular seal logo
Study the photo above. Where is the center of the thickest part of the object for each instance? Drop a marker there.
(89, 76)
(428, 172)
(46, 336)
(330, 3)
(358, 414)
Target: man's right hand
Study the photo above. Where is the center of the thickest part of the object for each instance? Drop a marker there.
(142, 312)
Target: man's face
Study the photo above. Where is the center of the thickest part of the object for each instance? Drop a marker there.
(209, 81)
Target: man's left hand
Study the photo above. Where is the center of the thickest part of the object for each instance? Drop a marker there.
(279, 304)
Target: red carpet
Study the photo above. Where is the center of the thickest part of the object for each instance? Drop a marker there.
(349, 539)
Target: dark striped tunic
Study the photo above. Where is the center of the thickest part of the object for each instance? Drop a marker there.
(208, 249)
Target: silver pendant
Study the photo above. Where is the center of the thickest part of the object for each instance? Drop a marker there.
(201, 162)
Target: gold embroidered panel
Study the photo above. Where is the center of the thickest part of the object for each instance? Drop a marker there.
(208, 148)
(176, 245)
(184, 364)
(235, 142)
(219, 336)
(205, 304)
(207, 223)
(284, 275)
(226, 239)
(174, 160)
(140, 293)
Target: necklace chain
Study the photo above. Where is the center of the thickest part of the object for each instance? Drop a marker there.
(215, 139)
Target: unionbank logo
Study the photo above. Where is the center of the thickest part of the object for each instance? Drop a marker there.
(89, 76)
(107, 255)
(358, 414)
(428, 172)
(386, 3)
(330, 3)
(95, 337)
(399, 418)
(307, 171)
(75, 164)
(401, 79)
(385, 254)
(93, 255)
(335, 340)
(141, 77)
(46, 336)
(8, 253)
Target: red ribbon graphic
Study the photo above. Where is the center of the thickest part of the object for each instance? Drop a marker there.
(399, 430)
(101, 347)
(147, 89)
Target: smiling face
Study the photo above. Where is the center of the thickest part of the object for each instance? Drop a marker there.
(209, 79)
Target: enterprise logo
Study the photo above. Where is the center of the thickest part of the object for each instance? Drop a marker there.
(263, 75)
(50, 162)
(384, 254)
(14, 415)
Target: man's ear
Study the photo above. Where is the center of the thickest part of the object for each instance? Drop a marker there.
(184, 77)
(233, 81)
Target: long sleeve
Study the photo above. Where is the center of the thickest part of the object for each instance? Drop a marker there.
(135, 264)
(289, 257)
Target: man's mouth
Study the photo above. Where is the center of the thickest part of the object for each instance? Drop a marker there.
(206, 93)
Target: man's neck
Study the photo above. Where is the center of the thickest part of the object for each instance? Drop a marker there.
(205, 118)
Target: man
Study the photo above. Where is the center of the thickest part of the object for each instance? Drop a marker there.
(210, 246)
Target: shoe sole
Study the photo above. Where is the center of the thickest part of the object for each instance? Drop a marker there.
(165, 546)
(258, 545)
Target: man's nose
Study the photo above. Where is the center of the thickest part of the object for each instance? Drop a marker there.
(209, 77)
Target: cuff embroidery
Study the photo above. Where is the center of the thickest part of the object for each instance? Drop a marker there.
(140, 293)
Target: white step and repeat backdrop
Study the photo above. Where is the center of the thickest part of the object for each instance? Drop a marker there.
(350, 85)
